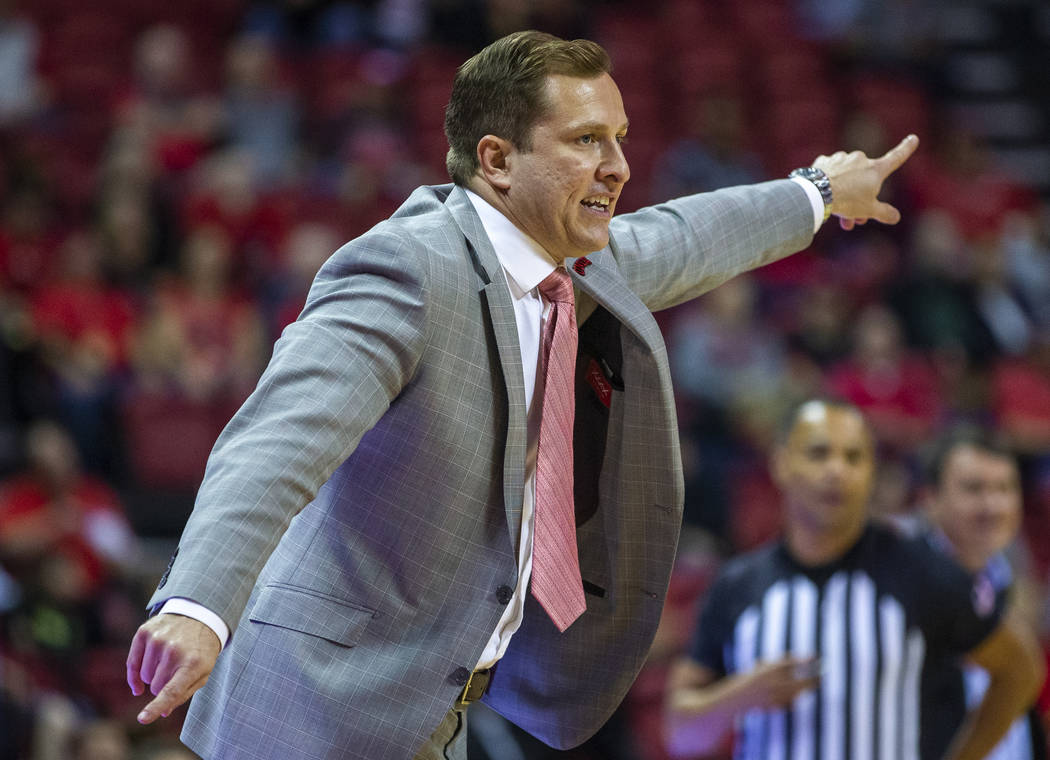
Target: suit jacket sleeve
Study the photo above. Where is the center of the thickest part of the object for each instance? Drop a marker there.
(332, 376)
(677, 250)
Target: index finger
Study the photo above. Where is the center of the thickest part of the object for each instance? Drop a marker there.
(896, 156)
(175, 692)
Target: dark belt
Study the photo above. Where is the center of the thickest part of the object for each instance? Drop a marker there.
(476, 686)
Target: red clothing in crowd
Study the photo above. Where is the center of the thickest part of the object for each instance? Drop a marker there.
(901, 401)
(82, 526)
(82, 312)
(1021, 401)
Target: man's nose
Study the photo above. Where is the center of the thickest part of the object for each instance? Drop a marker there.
(835, 468)
(614, 164)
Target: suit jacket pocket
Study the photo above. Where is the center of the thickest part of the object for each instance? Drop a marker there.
(311, 612)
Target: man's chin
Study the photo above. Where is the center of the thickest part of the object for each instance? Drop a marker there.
(593, 244)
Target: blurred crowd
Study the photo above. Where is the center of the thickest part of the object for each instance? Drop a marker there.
(173, 174)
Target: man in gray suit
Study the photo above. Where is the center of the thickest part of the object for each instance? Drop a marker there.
(361, 546)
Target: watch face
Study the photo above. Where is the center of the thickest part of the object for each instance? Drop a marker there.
(809, 173)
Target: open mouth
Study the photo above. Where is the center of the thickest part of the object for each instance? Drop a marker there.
(833, 498)
(599, 204)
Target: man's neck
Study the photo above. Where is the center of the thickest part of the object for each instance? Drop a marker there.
(491, 196)
(971, 561)
(813, 546)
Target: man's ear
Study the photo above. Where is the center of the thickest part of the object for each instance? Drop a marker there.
(494, 157)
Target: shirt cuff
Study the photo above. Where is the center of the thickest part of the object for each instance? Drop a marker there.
(815, 200)
(188, 608)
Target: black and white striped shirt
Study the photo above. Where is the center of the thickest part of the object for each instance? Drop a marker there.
(874, 618)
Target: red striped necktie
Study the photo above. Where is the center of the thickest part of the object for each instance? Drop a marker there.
(556, 583)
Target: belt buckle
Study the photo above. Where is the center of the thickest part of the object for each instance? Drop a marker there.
(465, 696)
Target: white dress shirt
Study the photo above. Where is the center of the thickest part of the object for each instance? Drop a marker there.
(525, 265)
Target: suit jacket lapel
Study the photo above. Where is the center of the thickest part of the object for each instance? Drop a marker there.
(494, 293)
(605, 286)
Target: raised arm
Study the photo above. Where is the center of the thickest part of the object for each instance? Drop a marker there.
(678, 250)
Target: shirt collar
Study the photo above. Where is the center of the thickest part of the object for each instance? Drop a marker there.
(522, 258)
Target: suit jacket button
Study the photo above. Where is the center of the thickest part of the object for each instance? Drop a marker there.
(503, 594)
(460, 676)
(167, 570)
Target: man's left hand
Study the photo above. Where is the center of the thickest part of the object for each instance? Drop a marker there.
(856, 181)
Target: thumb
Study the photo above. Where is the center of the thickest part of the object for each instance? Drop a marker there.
(886, 213)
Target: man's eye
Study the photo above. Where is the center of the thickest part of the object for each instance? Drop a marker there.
(586, 139)
(622, 139)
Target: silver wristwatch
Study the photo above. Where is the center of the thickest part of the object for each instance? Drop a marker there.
(821, 181)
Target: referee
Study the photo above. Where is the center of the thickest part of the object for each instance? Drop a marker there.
(814, 648)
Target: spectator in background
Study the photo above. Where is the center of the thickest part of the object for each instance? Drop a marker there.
(129, 236)
(935, 296)
(893, 490)
(1020, 399)
(84, 327)
(974, 509)
(1026, 239)
(813, 646)
(164, 107)
(197, 353)
(135, 215)
(997, 301)
(54, 512)
(821, 332)
(894, 31)
(729, 373)
(722, 354)
(712, 153)
(260, 112)
(26, 391)
(471, 24)
(20, 90)
(29, 238)
(101, 739)
(67, 542)
(309, 23)
(203, 336)
(896, 388)
(225, 196)
(964, 182)
(308, 246)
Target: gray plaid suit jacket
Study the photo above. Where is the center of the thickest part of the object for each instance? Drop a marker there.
(359, 515)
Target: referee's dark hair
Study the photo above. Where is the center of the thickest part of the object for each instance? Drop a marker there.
(790, 419)
(964, 434)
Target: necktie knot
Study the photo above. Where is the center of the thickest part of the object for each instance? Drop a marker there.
(557, 287)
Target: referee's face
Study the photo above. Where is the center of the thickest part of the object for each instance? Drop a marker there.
(825, 470)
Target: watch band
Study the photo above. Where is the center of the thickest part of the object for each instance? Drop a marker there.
(820, 181)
